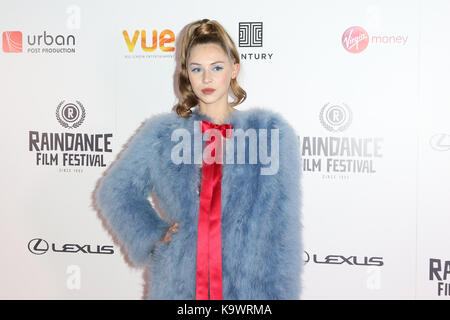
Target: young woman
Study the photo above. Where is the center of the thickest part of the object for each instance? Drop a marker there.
(226, 183)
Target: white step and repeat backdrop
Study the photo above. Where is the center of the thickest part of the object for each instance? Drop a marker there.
(365, 84)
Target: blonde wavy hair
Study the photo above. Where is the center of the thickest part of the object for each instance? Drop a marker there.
(201, 32)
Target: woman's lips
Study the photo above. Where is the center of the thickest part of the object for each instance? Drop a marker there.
(208, 90)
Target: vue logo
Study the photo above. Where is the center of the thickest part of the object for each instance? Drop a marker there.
(165, 37)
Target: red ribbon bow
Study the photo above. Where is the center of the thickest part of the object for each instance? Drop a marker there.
(209, 244)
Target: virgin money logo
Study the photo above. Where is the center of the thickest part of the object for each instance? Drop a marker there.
(355, 39)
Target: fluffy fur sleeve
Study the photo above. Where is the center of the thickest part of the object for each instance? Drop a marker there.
(288, 243)
(280, 275)
(122, 198)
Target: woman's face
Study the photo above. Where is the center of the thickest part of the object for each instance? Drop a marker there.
(210, 67)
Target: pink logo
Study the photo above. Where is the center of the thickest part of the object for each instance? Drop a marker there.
(355, 39)
(12, 41)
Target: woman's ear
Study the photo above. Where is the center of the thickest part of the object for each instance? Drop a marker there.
(235, 72)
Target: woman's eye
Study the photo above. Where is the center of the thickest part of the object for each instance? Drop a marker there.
(215, 68)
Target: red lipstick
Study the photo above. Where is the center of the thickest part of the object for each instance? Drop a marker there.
(208, 90)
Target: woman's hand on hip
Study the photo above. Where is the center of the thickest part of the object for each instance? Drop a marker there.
(173, 228)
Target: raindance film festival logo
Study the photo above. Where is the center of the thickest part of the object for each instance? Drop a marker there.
(337, 157)
(70, 115)
(440, 272)
(70, 149)
(335, 118)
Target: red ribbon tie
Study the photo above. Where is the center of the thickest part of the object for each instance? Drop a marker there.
(209, 245)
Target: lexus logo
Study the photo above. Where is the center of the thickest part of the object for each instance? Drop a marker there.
(440, 142)
(334, 259)
(306, 257)
(38, 246)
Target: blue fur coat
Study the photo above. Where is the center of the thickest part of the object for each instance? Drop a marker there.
(262, 254)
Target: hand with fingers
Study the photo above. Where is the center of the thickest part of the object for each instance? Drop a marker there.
(173, 228)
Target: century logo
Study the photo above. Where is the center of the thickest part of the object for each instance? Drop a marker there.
(40, 246)
(251, 36)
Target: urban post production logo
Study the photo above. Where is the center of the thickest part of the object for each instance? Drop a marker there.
(251, 37)
(42, 43)
(70, 149)
(39, 246)
(12, 41)
(335, 156)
